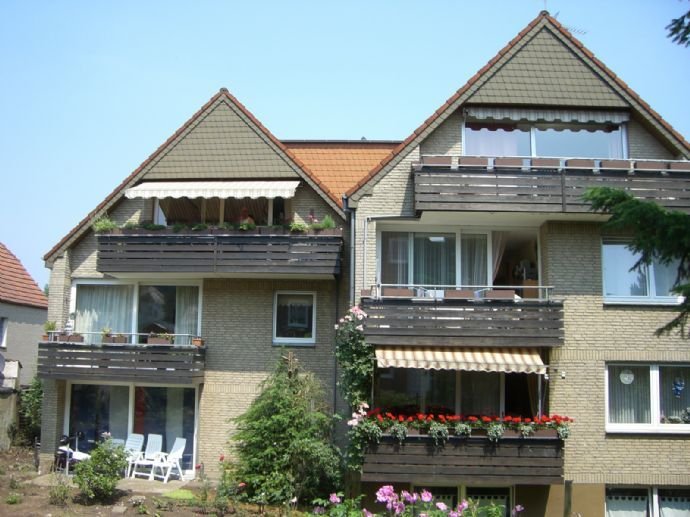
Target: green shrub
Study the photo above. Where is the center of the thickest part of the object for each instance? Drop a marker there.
(97, 477)
(30, 400)
(152, 227)
(284, 445)
(200, 227)
(59, 492)
(104, 225)
(130, 225)
(13, 498)
(326, 224)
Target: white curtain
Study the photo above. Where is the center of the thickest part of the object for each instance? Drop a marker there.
(674, 506)
(629, 403)
(103, 306)
(434, 259)
(186, 313)
(626, 506)
(498, 247)
(473, 257)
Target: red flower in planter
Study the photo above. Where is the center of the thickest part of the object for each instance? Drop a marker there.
(472, 419)
(486, 419)
(528, 420)
(442, 418)
(517, 419)
(401, 418)
(379, 418)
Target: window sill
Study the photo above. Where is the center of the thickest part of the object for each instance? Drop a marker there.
(668, 301)
(307, 343)
(644, 429)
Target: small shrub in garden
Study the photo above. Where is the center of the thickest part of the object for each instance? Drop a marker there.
(13, 498)
(59, 492)
(14, 483)
(97, 477)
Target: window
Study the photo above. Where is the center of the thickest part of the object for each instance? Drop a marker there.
(647, 502)
(413, 390)
(429, 259)
(124, 409)
(3, 332)
(554, 140)
(143, 309)
(293, 318)
(648, 398)
(652, 283)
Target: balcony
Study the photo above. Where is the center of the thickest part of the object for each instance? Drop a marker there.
(488, 317)
(447, 183)
(63, 358)
(536, 460)
(232, 254)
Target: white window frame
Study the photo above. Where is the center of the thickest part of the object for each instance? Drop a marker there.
(135, 294)
(653, 507)
(310, 341)
(130, 410)
(655, 427)
(649, 299)
(623, 127)
(3, 331)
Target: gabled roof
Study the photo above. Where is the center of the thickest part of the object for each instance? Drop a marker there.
(16, 285)
(339, 164)
(499, 90)
(165, 164)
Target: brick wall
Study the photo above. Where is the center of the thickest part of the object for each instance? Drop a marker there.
(594, 335)
(238, 328)
(24, 330)
(446, 138)
(642, 145)
(52, 416)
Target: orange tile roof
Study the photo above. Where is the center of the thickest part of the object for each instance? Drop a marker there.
(340, 165)
(16, 285)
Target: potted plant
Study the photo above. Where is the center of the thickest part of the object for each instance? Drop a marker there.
(159, 339)
(48, 327)
(198, 341)
(75, 338)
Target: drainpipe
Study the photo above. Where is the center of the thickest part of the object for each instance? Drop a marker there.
(353, 220)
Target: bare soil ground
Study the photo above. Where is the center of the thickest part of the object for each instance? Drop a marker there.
(20, 495)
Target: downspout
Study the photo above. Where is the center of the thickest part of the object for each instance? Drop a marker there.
(353, 220)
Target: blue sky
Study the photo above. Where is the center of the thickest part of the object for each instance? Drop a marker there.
(90, 89)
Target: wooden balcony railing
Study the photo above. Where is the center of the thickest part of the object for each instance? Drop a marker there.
(543, 184)
(536, 460)
(402, 319)
(248, 253)
(166, 364)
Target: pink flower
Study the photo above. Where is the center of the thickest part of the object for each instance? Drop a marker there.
(463, 506)
(441, 506)
(398, 507)
(367, 513)
(426, 496)
(222, 457)
(518, 509)
(334, 499)
(410, 498)
(386, 494)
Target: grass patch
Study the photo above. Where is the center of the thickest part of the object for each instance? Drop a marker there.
(180, 494)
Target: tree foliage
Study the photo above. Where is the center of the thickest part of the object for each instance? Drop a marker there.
(657, 234)
(284, 441)
(30, 409)
(679, 29)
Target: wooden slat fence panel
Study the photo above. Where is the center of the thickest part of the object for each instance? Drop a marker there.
(501, 323)
(541, 190)
(529, 461)
(284, 254)
(148, 363)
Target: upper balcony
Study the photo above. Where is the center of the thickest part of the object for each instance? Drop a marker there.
(517, 184)
(505, 316)
(118, 359)
(262, 251)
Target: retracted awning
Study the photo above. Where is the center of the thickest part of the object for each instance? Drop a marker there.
(542, 115)
(211, 189)
(508, 360)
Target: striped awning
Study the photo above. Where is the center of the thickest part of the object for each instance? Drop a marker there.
(508, 360)
(541, 115)
(211, 189)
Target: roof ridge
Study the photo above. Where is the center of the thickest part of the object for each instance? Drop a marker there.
(545, 19)
(222, 93)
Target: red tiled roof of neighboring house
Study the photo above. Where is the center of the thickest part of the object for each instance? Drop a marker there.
(82, 225)
(16, 284)
(340, 164)
(543, 15)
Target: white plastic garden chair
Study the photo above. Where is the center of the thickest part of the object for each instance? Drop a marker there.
(167, 462)
(133, 447)
(154, 446)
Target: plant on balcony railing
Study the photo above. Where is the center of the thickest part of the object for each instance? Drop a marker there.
(368, 427)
